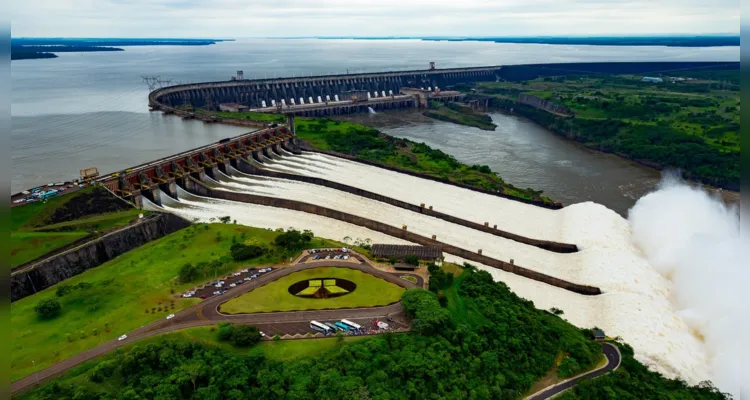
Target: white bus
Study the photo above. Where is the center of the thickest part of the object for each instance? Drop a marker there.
(315, 325)
(351, 324)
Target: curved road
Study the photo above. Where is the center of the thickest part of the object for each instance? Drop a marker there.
(206, 313)
(613, 362)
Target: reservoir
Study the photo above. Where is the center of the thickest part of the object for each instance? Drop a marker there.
(90, 109)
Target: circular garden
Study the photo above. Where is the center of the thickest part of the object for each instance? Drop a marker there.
(316, 289)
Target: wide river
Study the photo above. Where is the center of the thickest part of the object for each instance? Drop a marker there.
(90, 109)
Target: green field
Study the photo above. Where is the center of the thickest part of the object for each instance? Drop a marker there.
(119, 296)
(41, 227)
(275, 296)
(693, 125)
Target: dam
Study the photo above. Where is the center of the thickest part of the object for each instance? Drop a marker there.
(577, 258)
(262, 93)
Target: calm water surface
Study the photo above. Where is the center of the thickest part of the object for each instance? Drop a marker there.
(90, 109)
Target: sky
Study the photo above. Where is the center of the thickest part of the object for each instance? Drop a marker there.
(284, 18)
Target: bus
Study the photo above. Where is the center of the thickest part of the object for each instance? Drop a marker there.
(330, 325)
(342, 327)
(351, 324)
(317, 326)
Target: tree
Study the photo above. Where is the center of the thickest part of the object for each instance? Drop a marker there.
(245, 335)
(411, 259)
(241, 252)
(48, 308)
(293, 239)
(225, 219)
(188, 272)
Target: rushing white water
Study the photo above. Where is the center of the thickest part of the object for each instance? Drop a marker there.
(636, 301)
(536, 222)
(694, 240)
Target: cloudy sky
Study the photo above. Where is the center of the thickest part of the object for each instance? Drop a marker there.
(265, 18)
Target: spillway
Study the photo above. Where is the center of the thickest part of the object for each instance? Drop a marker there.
(509, 215)
(635, 301)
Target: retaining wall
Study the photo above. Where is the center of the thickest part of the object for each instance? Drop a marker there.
(200, 189)
(557, 247)
(58, 268)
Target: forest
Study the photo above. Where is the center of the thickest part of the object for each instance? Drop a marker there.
(689, 122)
(472, 339)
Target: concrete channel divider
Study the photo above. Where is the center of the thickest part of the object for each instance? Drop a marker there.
(556, 247)
(307, 147)
(196, 187)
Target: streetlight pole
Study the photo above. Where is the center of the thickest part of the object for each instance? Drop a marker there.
(36, 373)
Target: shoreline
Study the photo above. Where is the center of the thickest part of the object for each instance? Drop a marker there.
(647, 164)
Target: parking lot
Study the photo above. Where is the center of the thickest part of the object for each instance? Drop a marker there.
(220, 286)
(302, 328)
(338, 254)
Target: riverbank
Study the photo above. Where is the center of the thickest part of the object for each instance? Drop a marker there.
(461, 114)
(691, 125)
(379, 149)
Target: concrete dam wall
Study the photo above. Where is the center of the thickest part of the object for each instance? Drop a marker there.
(253, 93)
(75, 261)
(198, 188)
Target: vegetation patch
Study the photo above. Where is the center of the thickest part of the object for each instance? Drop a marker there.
(690, 121)
(276, 296)
(461, 114)
(372, 145)
(42, 227)
(132, 290)
(503, 349)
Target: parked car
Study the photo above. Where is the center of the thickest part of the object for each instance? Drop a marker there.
(170, 316)
(203, 296)
(262, 334)
(248, 278)
(269, 269)
(237, 274)
(233, 285)
(123, 337)
(244, 270)
(217, 292)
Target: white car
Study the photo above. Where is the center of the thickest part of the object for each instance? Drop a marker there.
(262, 334)
(186, 295)
(269, 269)
(233, 285)
(217, 292)
(237, 274)
(244, 270)
(221, 282)
(170, 316)
(248, 278)
(123, 337)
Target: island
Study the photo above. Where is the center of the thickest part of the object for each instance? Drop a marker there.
(33, 48)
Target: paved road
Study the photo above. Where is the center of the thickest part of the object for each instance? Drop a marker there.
(613, 362)
(206, 313)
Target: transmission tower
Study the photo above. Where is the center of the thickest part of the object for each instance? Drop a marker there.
(155, 82)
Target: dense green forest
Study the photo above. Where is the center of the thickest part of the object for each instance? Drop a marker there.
(473, 339)
(689, 122)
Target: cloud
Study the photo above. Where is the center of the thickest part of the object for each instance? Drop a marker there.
(264, 18)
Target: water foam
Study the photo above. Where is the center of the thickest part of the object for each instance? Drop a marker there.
(693, 239)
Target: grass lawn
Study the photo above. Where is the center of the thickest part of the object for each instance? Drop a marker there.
(26, 246)
(119, 292)
(370, 292)
(34, 232)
